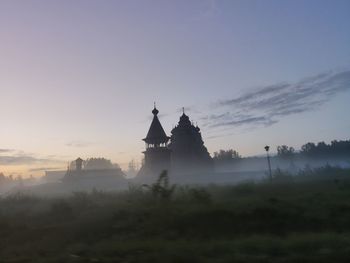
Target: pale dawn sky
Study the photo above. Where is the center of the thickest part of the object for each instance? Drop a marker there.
(79, 78)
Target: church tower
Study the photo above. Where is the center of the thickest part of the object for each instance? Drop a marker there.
(157, 153)
(188, 152)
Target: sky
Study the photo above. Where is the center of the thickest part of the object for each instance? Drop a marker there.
(79, 78)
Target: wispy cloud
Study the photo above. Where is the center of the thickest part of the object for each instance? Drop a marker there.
(6, 150)
(40, 169)
(20, 160)
(79, 144)
(267, 105)
(15, 157)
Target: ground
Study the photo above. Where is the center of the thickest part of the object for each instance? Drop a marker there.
(291, 219)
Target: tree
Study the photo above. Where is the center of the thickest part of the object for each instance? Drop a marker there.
(226, 155)
(98, 164)
(161, 189)
(132, 168)
(340, 147)
(2, 178)
(308, 148)
(322, 149)
(285, 152)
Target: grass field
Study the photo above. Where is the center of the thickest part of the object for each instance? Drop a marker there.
(304, 218)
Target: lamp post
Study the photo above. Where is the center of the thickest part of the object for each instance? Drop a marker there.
(267, 148)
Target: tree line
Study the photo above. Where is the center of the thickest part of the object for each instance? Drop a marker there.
(312, 150)
(317, 150)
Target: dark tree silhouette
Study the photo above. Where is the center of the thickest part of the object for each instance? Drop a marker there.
(321, 149)
(226, 155)
(285, 152)
(96, 164)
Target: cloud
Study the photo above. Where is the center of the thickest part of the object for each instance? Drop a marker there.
(79, 144)
(35, 163)
(246, 121)
(21, 158)
(6, 150)
(39, 169)
(267, 105)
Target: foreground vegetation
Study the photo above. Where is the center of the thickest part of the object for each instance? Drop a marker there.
(302, 218)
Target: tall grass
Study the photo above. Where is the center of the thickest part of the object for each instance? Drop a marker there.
(305, 219)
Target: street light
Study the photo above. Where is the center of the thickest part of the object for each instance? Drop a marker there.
(267, 148)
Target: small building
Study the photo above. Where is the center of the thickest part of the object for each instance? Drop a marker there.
(84, 179)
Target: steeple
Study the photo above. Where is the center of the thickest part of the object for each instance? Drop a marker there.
(156, 134)
(184, 119)
(157, 153)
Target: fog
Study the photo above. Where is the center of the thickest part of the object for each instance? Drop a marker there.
(250, 169)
